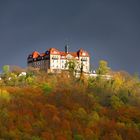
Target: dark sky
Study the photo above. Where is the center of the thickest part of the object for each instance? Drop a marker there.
(108, 29)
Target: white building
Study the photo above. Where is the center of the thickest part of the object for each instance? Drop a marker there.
(54, 60)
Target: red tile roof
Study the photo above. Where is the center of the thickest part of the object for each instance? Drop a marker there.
(74, 54)
(63, 53)
(35, 54)
(54, 51)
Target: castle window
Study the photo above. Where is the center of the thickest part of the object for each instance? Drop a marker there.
(83, 59)
(55, 57)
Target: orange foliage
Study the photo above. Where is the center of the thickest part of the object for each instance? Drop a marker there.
(71, 110)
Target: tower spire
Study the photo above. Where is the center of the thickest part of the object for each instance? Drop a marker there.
(66, 46)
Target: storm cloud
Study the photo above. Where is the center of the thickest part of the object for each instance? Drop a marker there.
(107, 29)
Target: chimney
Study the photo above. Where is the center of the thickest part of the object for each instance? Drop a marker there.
(66, 49)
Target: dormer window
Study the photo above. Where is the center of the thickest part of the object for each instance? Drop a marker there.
(83, 59)
(55, 57)
(69, 56)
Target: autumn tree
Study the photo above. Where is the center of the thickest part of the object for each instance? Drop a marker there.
(103, 68)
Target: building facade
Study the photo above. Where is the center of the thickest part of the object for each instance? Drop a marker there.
(54, 60)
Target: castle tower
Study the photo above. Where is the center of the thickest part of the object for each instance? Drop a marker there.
(66, 49)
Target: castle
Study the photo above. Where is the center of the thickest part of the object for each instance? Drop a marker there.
(54, 60)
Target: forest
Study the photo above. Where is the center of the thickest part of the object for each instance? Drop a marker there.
(41, 106)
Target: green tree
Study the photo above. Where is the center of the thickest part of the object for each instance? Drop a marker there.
(72, 66)
(5, 75)
(103, 67)
(5, 69)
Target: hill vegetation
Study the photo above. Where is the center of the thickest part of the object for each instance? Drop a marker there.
(40, 106)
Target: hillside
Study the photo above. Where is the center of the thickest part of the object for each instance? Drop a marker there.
(58, 107)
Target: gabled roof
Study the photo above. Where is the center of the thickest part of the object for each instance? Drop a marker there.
(63, 54)
(35, 54)
(74, 54)
(82, 52)
(54, 51)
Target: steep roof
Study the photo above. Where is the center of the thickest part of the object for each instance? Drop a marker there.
(54, 51)
(35, 54)
(74, 54)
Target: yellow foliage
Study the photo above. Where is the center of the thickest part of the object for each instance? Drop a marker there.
(4, 95)
(118, 81)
